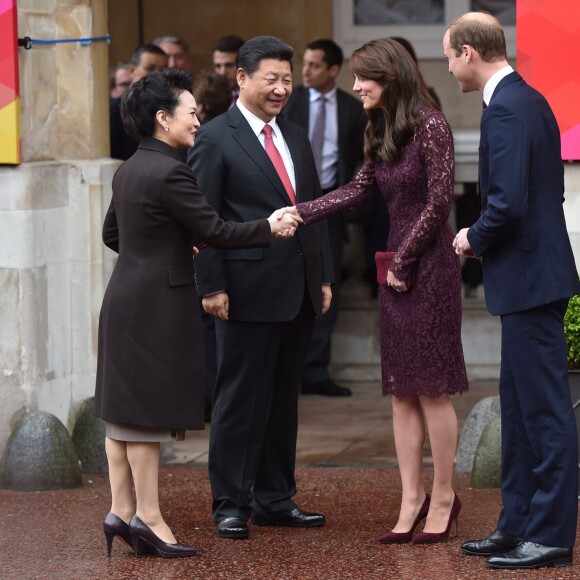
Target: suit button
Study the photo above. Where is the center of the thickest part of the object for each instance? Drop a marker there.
(300, 253)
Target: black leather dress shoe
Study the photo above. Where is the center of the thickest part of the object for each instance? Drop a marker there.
(531, 555)
(325, 388)
(496, 543)
(292, 519)
(233, 527)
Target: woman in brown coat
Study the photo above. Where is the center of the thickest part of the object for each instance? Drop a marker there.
(150, 382)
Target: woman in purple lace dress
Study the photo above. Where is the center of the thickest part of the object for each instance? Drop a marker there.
(409, 152)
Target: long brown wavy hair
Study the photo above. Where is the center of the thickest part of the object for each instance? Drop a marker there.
(403, 99)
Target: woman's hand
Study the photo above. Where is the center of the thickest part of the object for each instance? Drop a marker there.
(395, 283)
(283, 222)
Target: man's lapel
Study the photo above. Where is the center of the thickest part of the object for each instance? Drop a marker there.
(245, 137)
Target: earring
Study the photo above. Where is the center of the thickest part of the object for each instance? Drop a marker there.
(166, 128)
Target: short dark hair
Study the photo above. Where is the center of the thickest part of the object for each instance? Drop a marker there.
(485, 36)
(151, 48)
(253, 52)
(157, 91)
(229, 43)
(332, 52)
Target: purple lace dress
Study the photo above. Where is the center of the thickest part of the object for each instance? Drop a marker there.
(421, 352)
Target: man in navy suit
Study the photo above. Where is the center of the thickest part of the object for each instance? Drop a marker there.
(264, 302)
(341, 154)
(529, 275)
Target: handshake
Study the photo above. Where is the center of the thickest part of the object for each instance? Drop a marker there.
(284, 221)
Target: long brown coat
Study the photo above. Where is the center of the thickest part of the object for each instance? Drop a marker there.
(150, 359)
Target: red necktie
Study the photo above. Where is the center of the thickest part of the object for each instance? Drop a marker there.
(276, 159)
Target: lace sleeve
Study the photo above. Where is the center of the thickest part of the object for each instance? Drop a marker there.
(347, 197)
(438, 156)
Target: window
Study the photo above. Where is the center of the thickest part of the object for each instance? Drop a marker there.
(422, 22)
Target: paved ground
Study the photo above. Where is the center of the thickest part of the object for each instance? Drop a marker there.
(346, 471)
(355, 430)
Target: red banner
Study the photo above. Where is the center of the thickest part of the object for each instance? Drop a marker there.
(9, 99)
(547, 39)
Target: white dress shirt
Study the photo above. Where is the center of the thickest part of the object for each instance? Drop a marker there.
(329, 175)
(257, 125)
(492, 83)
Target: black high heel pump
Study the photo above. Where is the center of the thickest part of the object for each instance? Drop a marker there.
(144, 537)
(115, 526)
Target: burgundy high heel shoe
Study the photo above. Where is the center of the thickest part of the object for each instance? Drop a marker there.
(142, 534)
(115, 526)
(403, 537)
(432, 538)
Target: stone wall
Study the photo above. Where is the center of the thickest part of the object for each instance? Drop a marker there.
(572, 206)
(63, 87)
(53, 272)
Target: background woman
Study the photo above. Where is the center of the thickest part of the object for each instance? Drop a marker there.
(409, 151)
(150, 370)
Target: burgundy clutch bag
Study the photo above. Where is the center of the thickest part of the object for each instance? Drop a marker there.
(384, 261)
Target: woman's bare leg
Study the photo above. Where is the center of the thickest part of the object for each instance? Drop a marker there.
(442, 427)
(409, 432)
(122, 504)
(144, 461)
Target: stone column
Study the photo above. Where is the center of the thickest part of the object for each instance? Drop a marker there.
(53, 266)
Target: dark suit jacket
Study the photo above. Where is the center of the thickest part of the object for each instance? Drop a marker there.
(150, 359)
(521, 234)
(352, 121)
(240, 181)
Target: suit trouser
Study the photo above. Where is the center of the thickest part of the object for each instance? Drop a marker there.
(252, 452)
(209, 343)
(539, 441)
(319, 349)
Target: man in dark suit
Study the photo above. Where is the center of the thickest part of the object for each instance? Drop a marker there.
(224, 57)
(336, 131)
(529, 274)
(246, 160)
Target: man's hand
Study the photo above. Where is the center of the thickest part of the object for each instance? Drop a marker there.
(461, 244)
(283, 222)
(326, 297)
(217, 305)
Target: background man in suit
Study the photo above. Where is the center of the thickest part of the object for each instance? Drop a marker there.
(146, 59)
(265, 302)
(336, 131)
(177, 51)
(224, 61)
(529, 274)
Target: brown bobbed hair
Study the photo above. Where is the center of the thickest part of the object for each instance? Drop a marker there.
(404, 98)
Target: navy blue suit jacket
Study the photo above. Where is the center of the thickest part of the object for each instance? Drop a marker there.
(521, 234)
